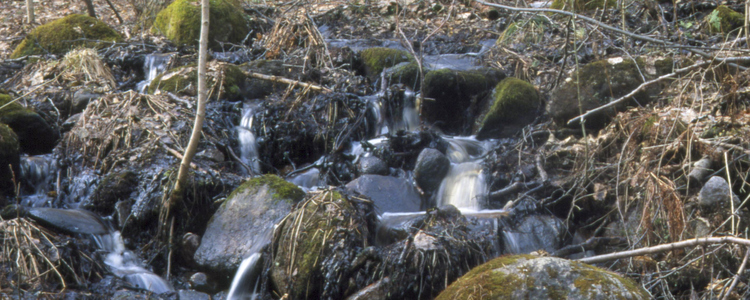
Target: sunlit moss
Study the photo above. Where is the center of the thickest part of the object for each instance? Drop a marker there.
(62, 35)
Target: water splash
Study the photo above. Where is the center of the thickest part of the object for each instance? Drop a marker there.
(248, 144)
(125, 264)
(464, 149)
(247, 279)
(463, 187)
(153, 65)
(38, 174)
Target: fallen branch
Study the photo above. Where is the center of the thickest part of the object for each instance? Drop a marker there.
(288, 81)
(665, 248)
(736, 276)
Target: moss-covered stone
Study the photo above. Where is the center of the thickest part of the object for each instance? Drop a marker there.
(514, 104)
(34, 134)
(114, 187)
(183, 81)
(532, 277)
(723, 19)
(180, 22)
(62, 35)
(406, 73)
(9, 155)
(598, 83)
(281, 189)
(377, 59)
(457, 96)
(583, 5)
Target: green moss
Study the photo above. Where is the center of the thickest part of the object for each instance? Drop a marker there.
(15, 112)
(583, 5)
(180, 22)
(281, 189)
(62, 35)
(406, 73)
(378, 59)
(8, 142)
(233, 78)
(723, 19)
(512, 99)
(180, 80)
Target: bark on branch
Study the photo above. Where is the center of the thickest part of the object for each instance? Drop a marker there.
(666, 247)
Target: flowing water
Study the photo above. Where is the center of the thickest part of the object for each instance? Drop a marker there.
(248, 145)
(463, 187)
(153, 65)
(125, 264)
(38, 177)
(246, 280)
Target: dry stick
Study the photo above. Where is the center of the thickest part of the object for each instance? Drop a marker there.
(117, 14)
(666, 247)
(615, 29)
(736, 276)
(288, 81)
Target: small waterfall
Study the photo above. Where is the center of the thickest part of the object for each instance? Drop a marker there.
(248, 145)
(409, 115)
(247, 279)
(125, 264)
(153, 65)
(463, 187)
(38, 177)
(463, 149)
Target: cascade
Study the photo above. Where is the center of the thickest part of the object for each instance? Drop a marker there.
(246, 280)
(125, 264)
(248, 145)
(38, 173)
(153, 65)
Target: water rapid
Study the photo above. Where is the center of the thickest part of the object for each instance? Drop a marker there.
(153, 65)
(248, 145)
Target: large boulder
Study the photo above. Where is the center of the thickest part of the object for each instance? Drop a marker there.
(388, 194)
(534, 277)
(9, 155)
(515, 104)
(715, 196)
(180, 22)
(243, 224)
(62, 35)
(34, 134)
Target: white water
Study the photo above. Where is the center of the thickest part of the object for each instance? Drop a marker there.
(383, 122)
(248, 145)
(464, 149)
(39, 173)
(153, 65)
(124, 264)
(463, 187)
(246, 280)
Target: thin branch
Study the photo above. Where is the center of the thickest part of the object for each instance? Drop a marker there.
(288, 81)
(736, 276)
(665, 248)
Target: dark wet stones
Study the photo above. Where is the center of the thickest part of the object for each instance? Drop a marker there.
(534, 277)
(192, 295)
(114, 187)
(714, 196)
(62, 35)
(69, 220)
(34, 134)
(243, 224)
(515, 104)
(535, 232)
(388, 194)
(373, 165)
(9, 156)
(432, 166)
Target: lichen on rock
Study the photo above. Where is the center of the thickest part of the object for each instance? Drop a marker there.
(62, 35)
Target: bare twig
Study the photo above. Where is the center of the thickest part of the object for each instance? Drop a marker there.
(736, 276)
(288, 81)
(666, 247)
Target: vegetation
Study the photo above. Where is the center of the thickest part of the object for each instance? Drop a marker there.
(65, 34)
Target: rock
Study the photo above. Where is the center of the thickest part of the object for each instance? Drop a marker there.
(62, 35)
(70, 123)
(515, 104)
(192, 295)
(373, 165)
(254, 88)
(180, 23)
(211, 154)
(388, 194)
(69, 220)
(715, 195)
(406, 73)
(375, 291)
(189, 244)
(244, 222)
(583, 5)
(35, 136)
(81, 99)
(535, 232)
(601, 82)
(182, 81)
(723, 20)
(534, 277)
(199, 281)
(432, 166)
(314, 260)
(457, 97)
(701, 170)
(377, 59)
(9, 155)
(114, 187)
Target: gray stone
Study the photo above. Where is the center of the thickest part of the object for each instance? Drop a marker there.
(69, 220)
(715, 195)
(373, 165)
(375, 291)
(192, 295)
(535, 232)
(431, 167)
(389, 194)
(81, 99)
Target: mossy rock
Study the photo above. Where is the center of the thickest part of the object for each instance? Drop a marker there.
(377, 59)
(62, 35)
(723, 20)
(406, 73)
(34, 134)
(457, 97)
(314, 244)
(9, 155)
(184, 80)
(180, 22)
(601, 82)
(533, 277)
(114, 187)
(514, 105)
(583, 5)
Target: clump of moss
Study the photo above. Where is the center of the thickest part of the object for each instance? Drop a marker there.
(583, 5)
(183, 80)
(9, 155)
(723, 19)
(514, 104)
(180, 22)
(62, 35)
(406, 73)
(34, 133)
(281, 189)
(378, 59)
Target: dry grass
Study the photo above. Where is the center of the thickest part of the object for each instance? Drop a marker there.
(30, 253)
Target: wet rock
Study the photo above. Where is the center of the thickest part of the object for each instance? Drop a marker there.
(180, 23)
(601, 82)
(69, 220)
(34, 134)
(375, 291)
(535, 232)
(62, 35)
(723, 19)
(255, 88)
(373, 165)
(243, 224)
(201, 282)
(114, 187)
(583, 5)
(534, 277)
(431, 168)
(388, 194)
(69, 123)
(182, 81)
(211, 154)
(458, 96)
(515, 104)
(192, 295)
(715, 195)
(81, 99)
(314, 260)
(406, 73)
(9, 156)
(122, 211)
(701, 170)
(377, 59)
